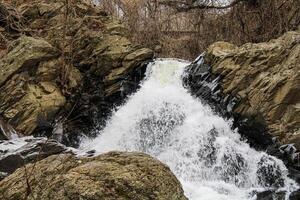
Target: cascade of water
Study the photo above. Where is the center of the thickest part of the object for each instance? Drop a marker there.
(208, 157)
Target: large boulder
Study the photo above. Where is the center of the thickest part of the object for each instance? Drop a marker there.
(110, 176)
(265, 80)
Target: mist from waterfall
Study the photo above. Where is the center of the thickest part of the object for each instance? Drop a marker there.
(209, 158)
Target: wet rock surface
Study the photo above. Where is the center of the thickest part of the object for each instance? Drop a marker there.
(206, 85)
(114, 175)
(17, 152)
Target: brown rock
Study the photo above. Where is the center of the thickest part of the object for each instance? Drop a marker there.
(24, 99)
(28, 52)
(66, 66)
(110, 176)
(130, 62)
(29, 103)
(265, 77)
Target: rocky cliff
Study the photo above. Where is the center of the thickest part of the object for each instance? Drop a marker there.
(265, 78)
(256, 84)
(63, 66)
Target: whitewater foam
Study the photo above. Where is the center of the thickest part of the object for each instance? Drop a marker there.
(207, 156)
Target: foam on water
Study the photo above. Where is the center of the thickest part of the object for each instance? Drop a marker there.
(208, 157)
(13, 144)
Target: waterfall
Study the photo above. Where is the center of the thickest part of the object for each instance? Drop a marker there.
(210, 159)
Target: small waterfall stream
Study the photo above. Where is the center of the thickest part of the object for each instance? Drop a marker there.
(207, 156)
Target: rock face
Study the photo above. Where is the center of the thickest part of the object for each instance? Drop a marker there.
(63, 65)
(110, 176)
(26, 53)
(265, 79)
(24, 97)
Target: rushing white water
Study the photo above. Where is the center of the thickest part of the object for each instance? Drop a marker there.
(208, 157)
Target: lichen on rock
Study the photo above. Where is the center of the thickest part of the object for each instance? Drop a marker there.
(265, 78)
(23, 100)
(110, 176)
(27, 52)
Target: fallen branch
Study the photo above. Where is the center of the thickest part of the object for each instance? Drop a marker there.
(10, 19)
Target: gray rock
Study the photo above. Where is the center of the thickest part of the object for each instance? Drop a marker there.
(18, 152)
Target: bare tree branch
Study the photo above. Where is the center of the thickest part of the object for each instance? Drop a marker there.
(184, 6)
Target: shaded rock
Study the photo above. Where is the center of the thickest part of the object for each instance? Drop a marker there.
(270, 195)
(295, 195)
(265, 78)
(93, 105)
(130, 62)
(113, 175)
(18, 152)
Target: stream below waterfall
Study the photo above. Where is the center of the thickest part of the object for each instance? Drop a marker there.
(210, 159)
